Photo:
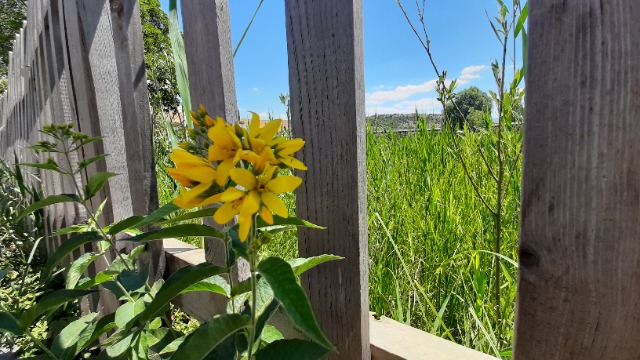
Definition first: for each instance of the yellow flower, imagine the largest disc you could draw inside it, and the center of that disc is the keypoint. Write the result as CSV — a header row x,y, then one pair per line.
x,y
226,149
195,173
258,196
283,151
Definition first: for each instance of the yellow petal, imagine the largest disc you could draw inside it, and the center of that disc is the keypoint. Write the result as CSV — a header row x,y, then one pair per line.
x,y
203,174
244,178
265,214
232,194
274,204
181,157
290,146
217,153
225,213
254,126
251,203
283,184
192,198
270,130
293,163
245,225
211,200
182,179
223,171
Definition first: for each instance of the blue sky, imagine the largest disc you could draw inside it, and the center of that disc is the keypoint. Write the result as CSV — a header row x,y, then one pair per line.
x,y
398,76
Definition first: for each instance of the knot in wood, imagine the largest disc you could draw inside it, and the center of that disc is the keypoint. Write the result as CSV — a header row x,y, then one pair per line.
x,y
116,5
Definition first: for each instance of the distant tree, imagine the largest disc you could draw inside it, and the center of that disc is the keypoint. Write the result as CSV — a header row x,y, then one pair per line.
x,y
161,78
458,110
12,14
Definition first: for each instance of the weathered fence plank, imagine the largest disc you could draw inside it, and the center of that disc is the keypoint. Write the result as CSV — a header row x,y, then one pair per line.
x,y
327,109
579,290
207,35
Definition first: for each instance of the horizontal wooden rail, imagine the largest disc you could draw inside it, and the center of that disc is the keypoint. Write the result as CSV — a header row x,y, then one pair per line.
x,y
390,340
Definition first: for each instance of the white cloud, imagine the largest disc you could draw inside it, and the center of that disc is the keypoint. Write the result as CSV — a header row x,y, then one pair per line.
x,y
399,93
401,100
423,106
470,73
255,89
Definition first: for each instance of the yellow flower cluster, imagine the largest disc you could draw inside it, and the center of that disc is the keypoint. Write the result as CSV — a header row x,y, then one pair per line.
x,y
241,170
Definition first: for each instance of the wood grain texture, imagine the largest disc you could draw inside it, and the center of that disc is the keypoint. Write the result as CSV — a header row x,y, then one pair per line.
x,y
207,39
579,290
391,340
327,110
207,35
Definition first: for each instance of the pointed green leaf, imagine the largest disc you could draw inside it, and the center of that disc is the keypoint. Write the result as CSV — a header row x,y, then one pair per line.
x,y
49,200
191,215
45,166
300,265
241,288
5,271
78,267
271,334
71,229
9,324
96,182
177,231
279,274
95,331
175,284
157,215
128,311
66,344
48,303
179,59
216,284
280,221
199,344
127,223
84,163
86,141
292,349
67,247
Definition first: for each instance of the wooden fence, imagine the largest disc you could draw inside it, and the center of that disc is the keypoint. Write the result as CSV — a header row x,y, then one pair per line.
x,y
579,287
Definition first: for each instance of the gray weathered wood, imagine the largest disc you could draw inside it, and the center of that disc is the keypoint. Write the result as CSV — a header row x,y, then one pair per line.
x,y
326,80
579,290
207,35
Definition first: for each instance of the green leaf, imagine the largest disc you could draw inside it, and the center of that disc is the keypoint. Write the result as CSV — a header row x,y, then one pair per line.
x,y
96,330
127,223
264,317
5,271
96,182
78,267
118,349
45,166
67,247
279,274
48,303
84,163
191,215
134,281
522,19
271,334
241,288
238,246
176,231
157,215
280,221
71,229
49,200
66,344
9,324
292,349
300,265
128,311
86,141
216,284
199,344
175,284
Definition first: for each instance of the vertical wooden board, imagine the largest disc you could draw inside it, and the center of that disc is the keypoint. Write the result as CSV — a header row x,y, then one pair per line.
x,y
327,109
207,39
579,289
136,118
